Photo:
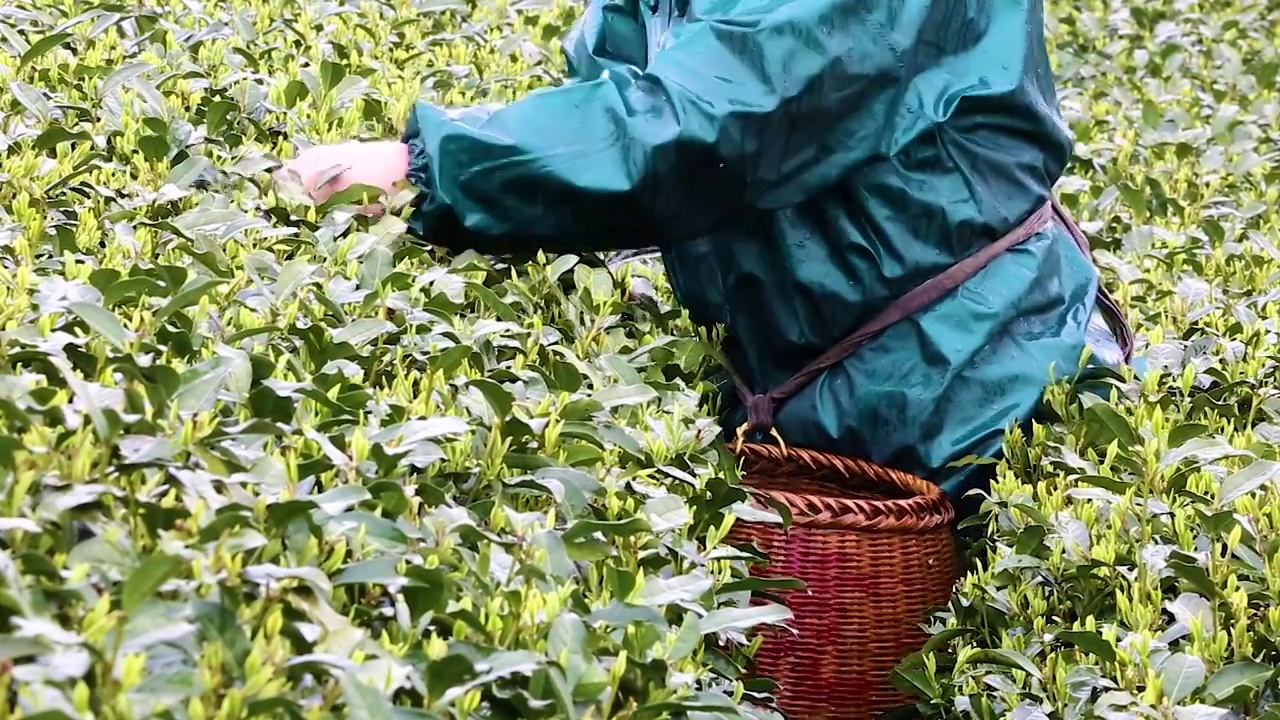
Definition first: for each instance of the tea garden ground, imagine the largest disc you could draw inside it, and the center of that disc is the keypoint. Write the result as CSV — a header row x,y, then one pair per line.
x,y
262,459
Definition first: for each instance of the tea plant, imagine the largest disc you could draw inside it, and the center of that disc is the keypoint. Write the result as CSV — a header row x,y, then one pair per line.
x,y
1131,569
260,458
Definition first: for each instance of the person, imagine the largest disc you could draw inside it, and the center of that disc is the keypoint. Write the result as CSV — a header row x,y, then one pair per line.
x,y
859,191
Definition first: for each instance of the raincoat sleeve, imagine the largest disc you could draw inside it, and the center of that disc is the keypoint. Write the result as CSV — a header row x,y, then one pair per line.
x,y
751,104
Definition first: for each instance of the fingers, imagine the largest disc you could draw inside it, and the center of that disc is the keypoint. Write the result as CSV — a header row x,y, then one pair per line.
x,y
317,185
321,171
330,179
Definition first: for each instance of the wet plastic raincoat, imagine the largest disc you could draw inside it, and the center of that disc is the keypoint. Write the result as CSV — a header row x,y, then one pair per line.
x,y
801,163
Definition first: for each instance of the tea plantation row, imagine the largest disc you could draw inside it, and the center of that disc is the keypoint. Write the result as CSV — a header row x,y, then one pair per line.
x,y
264,459
1133,567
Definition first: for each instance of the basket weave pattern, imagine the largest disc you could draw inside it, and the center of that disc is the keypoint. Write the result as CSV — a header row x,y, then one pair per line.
x,y
875,549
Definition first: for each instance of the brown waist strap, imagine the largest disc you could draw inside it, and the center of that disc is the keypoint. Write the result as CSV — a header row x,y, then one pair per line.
x,y
760,406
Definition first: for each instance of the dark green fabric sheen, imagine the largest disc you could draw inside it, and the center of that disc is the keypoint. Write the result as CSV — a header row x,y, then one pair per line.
x,y
801,163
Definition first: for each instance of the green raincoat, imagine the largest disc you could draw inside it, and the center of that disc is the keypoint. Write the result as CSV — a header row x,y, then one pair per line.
x,y
800,164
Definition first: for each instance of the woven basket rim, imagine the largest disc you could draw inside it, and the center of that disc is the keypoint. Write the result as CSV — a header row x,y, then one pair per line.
x,y
921,507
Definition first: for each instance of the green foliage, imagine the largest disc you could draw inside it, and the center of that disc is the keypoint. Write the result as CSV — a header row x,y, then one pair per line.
x,y
260,458
1131,568
265,459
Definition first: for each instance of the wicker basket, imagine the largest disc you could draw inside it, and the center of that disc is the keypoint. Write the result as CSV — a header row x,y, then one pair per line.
x,y
875,549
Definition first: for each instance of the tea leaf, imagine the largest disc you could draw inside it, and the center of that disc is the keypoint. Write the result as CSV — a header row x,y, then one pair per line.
x,y
187,171
1090,642
363,331
146,579
1253,476
1229,682
101,321
1005,658
42,46
1181,675
743,618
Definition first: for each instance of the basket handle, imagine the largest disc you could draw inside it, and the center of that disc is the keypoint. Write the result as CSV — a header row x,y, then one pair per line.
x,y
924,508
847,466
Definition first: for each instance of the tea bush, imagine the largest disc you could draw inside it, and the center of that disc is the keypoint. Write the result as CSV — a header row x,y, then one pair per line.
x,y
1132,568
265,459
262,459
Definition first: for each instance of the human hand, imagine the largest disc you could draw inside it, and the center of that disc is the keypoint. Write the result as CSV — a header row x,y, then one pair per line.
x,y
327,169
